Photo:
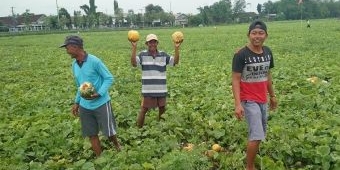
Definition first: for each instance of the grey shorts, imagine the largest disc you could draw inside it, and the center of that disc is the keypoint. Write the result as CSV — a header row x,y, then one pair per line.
x,y
101,118
256,117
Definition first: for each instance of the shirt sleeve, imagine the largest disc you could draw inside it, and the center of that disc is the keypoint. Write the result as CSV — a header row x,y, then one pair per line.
x,y
269,51
271,62
108,78
238,63
138,61
77,97
170,60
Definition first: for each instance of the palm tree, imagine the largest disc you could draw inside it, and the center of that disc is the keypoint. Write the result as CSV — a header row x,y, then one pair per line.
x,y
90,11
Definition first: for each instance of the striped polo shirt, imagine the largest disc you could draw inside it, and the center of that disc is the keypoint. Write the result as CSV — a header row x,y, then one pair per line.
x,y
154,72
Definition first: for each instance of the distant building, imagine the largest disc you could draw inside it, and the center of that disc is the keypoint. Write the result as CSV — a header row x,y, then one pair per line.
x,y
156,22
17,23
181,19
271,16
246,17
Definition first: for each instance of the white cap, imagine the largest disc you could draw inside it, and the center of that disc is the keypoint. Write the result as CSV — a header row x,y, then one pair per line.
x,y
151,37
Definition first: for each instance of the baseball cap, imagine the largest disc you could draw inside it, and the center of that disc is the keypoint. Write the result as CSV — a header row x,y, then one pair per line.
x,y
72,39
257,24
151,37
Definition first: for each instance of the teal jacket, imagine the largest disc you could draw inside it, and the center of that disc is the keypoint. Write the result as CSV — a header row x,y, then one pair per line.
x,y
93,70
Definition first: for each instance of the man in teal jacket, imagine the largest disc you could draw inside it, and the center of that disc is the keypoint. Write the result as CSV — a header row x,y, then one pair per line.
x,y
95,112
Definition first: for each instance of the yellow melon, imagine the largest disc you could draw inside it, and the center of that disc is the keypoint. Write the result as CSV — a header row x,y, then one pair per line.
x,y
189,147
216,147
133,36
210,153
177,37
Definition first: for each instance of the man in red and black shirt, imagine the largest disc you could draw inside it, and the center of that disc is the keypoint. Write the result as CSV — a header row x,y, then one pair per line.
x,y
251,83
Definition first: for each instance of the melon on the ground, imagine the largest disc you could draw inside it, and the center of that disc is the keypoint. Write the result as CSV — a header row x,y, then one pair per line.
x,y
216,147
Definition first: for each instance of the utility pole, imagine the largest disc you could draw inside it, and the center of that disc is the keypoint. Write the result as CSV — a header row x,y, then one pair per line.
x,y
114,15
142,16
13,17
300,14
12,10
56,2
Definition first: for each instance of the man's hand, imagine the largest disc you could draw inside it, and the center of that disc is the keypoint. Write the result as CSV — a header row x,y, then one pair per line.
x,y
75,109
134,44
273,103
93,96
177,44
239,112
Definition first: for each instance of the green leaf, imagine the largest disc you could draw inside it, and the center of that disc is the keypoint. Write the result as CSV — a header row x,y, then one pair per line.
x,y
80,163
219,133
148,166
88,166
323,150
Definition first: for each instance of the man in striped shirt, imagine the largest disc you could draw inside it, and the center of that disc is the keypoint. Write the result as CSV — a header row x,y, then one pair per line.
x,y
153,63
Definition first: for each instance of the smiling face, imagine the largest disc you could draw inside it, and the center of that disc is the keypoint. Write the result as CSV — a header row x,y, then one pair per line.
x,y
257,37
152,45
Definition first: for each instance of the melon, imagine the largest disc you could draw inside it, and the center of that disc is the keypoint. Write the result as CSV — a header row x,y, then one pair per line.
x,y
177,37
210,153
86,90
313,79
216,147
189,147
133,36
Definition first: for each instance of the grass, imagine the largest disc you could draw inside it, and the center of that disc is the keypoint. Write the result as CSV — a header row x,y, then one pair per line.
x,y
37,91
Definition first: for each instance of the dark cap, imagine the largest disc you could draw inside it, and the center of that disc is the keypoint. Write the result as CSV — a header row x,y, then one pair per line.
x,y
257,24
72,39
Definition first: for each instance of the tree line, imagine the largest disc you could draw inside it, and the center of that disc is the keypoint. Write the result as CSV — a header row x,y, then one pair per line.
x,y
306,9
221,12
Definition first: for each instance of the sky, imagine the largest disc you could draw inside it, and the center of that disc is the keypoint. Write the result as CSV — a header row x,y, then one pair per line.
x,y
49,7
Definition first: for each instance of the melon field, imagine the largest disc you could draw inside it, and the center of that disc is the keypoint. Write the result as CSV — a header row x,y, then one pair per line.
x,y
38,130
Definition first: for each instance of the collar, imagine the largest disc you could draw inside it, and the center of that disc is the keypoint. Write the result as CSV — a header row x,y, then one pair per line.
x,y
156,53
84,59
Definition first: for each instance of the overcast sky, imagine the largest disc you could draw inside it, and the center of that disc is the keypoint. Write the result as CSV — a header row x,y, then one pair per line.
x,y
48,7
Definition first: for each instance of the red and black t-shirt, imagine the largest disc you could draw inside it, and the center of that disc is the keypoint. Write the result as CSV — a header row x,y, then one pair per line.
x,y
254,69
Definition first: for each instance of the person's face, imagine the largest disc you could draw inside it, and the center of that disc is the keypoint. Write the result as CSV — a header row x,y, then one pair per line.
x,y
257,36
72,50
152,45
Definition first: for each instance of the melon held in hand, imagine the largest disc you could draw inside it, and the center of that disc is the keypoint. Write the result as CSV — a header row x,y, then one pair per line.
x,y
86,90
133,36
177,37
